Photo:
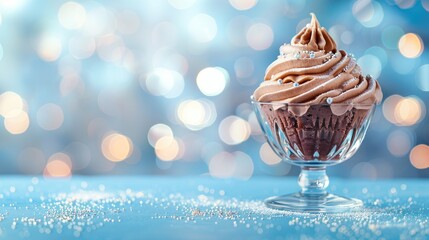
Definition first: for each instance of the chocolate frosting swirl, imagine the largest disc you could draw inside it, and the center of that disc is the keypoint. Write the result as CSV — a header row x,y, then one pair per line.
x,y
310,70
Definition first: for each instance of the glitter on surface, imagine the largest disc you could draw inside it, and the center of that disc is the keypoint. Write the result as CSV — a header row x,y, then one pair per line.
x,y
81,207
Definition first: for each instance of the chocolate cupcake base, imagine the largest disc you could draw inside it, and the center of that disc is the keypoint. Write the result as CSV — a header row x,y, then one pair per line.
x,y
318,134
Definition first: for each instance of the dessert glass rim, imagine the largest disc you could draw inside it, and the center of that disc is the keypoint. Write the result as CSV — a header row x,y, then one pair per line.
x,y
253,100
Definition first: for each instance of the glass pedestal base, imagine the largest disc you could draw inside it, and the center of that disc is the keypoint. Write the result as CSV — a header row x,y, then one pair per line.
x,y
327,203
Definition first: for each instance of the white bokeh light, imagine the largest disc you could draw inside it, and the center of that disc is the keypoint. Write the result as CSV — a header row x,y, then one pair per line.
x,y
72,15
82,47
165,82
50,117
422,77
368,13
371,65
49,47
203,28
242,5
212,80
259,36
182,4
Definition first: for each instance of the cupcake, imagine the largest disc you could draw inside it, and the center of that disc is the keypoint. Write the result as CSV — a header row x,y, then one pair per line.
x,y
317,95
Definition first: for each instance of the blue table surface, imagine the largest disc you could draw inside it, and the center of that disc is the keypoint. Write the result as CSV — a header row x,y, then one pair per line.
x,y
124,207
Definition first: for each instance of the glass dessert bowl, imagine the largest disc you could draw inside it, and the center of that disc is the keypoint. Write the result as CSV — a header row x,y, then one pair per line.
x,y
313,137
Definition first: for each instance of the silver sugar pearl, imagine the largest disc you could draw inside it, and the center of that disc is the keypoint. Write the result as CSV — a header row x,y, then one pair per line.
x,y
329,100
280,81
311,54
295,84
297,55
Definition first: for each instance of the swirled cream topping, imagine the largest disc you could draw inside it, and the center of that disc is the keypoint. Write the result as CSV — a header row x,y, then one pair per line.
x,y
310,70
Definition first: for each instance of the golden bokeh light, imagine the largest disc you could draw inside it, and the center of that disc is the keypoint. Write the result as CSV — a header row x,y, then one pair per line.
x,y
268,156
116,147
410,45
419,156
57,168
158,131
59,165
18,123
167,148
234,130
10,104
196,114
403,111
408,111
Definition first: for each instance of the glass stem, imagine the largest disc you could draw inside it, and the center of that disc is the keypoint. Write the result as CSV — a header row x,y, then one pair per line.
x,y
313,181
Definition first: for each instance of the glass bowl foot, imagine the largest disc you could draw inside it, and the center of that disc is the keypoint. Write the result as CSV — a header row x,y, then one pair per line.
x,y
328,203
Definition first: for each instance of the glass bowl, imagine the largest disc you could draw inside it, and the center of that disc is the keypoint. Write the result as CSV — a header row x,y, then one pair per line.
x,y
313,136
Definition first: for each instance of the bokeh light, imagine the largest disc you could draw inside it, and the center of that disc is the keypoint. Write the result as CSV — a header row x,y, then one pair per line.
x,y
59,165
242,5
234,130
50,117
49,47
368,13
202,28
409,111
422,78
260,36
244,68
399,142
164,86
11,104
364,170
196,114
228,165
405,4
268,156
182,4
17,123
158,131
167,148
99,20
419,156
410,45
164,82
403,111
390,36
72,15
370,65
212,80
116,147
82,47
425,4
11,5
